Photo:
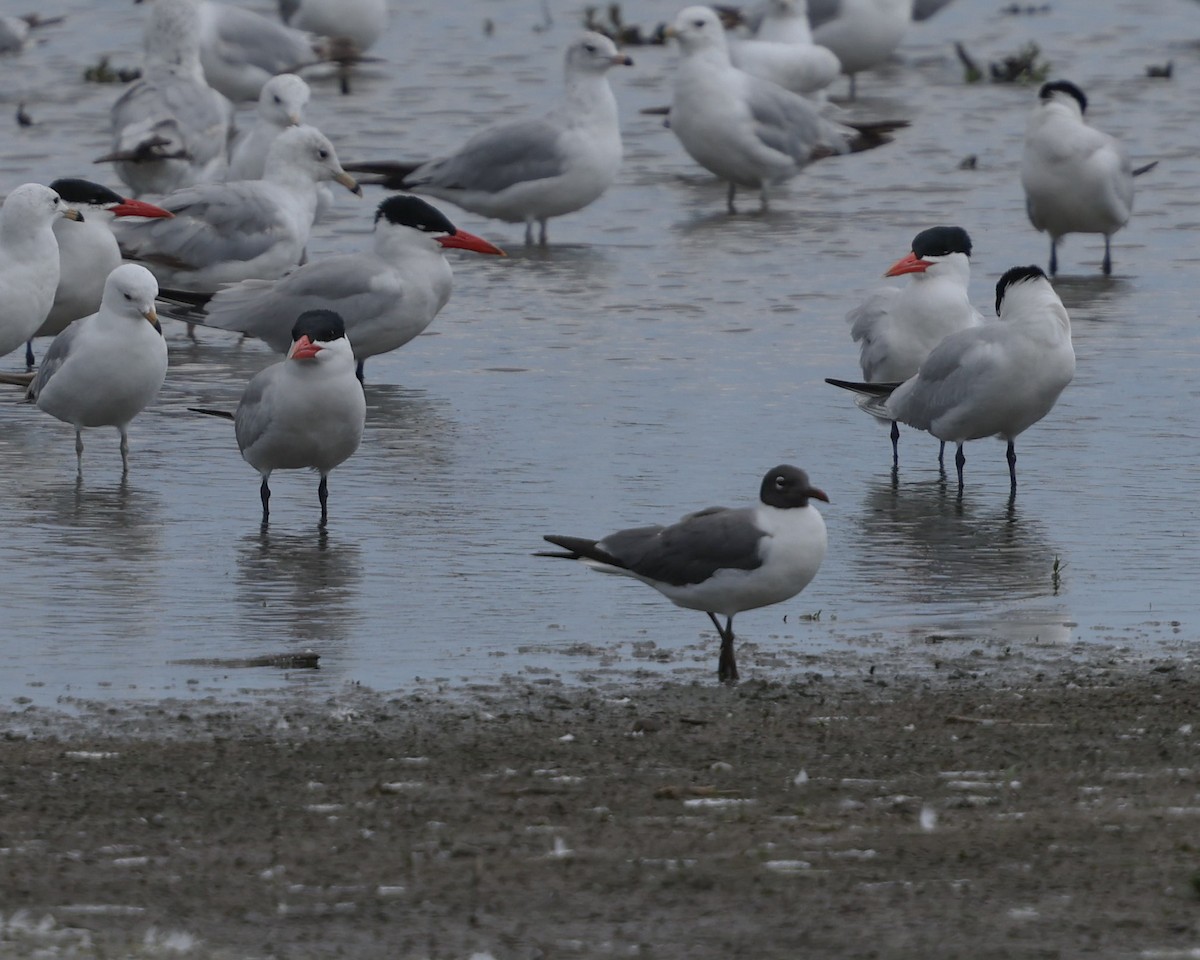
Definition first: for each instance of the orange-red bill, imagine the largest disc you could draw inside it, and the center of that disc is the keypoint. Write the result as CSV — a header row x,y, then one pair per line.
x,y
461,240
304,349
909,264
139,208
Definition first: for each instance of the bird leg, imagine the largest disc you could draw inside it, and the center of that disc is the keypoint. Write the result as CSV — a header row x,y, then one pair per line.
x,y
895,444
264,493
1053,256
29,358
1107,257
542,241
529,233
763,200
853,86
727,671
78,451
729,197
124,451
1012,464
323,493
358,370
959,460
942,453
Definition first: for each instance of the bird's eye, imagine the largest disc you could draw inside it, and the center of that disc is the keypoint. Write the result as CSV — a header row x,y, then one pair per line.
x,y
698,24
589,47
128,297
323,154
277,99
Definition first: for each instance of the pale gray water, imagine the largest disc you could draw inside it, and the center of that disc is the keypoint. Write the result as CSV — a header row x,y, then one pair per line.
x,y
660,357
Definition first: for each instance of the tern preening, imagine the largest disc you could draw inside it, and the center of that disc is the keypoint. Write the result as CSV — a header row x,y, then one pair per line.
x,y
997,379
528,171
1076,178
386,296
103,370
304,412
721,560
746,130
29,269
897,327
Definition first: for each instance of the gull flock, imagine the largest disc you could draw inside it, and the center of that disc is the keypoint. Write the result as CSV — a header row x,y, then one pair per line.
x,y
223,202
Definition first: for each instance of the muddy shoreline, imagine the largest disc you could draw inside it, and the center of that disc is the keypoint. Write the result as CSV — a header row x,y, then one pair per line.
x,y
869,813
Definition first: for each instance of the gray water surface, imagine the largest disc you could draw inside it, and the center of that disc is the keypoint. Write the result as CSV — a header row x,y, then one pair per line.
x,y
659,357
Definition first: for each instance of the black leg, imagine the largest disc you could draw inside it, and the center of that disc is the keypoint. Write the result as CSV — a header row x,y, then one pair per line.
x,y
358,370
895,444
959,460
29,359
1053,256
942,453
265,493
1012,465
1107,257
323,493
727,671
729,199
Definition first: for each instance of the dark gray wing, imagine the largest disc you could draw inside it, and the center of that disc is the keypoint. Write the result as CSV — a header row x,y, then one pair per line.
x,y
56,356
252,417
691,550
786,122
496,158
247,37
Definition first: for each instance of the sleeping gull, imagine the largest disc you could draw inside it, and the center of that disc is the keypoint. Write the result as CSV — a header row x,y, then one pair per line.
x,y
746,130
783,51
304,412
863,33
249,229
997,379
169,129
1076,178
29,269
897,327
386,297
721,560
528,171
104,369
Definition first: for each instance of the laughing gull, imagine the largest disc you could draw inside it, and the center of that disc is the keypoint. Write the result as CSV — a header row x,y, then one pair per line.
x,y
746,130
528,171
386,297
248,229
29,269
721,560
898,327
104,369
997,379
1076,179
304,412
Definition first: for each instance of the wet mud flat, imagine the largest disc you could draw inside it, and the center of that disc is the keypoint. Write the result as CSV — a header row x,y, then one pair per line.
x,y
1045,813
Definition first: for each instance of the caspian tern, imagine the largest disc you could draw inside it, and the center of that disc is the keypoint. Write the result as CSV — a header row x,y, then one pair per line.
x,y
1076,179
304,412
29,269
863,33
385,297
897,327
528,171
997,379
103,370
721,560
87,250
248,229
169,129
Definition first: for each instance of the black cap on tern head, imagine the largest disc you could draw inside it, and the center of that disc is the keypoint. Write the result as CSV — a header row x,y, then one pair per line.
x,y
1015,275
319,326
786,487
940,241
1063,86
407,211
77,190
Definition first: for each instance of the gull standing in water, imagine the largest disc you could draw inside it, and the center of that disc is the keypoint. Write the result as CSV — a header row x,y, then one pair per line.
x,y
226,232
528,171
746,130
304,412
897,327
1076,179
721,560
29,268
783,51
863,33
170,128
103,370
386,297
997,379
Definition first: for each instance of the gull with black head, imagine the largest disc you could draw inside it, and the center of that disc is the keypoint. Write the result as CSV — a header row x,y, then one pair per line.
x,y
721,560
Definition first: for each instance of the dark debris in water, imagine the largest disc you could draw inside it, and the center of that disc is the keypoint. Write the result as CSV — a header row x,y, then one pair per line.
x,y
1025,66
101,72
622,33
287,661
1161,72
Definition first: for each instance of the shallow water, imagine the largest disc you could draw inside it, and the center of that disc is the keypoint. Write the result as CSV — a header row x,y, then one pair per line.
x,y
661,356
